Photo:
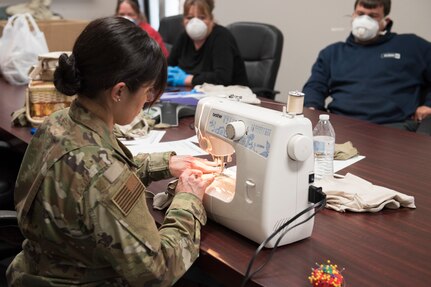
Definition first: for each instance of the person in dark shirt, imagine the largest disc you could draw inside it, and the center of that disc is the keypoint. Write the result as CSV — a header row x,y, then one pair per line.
x,y
376,75
206,52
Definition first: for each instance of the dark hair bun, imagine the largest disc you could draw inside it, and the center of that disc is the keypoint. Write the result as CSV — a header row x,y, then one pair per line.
x,y
66,76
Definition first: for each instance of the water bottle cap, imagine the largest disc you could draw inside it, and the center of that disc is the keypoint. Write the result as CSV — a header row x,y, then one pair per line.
x,y
324,117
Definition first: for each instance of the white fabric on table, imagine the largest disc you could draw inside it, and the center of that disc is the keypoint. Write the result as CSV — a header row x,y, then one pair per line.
x,y
356,194
235,92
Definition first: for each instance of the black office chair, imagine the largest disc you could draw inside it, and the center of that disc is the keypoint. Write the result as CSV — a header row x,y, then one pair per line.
x,y
11,240
10,163
10,235
261,47
170,28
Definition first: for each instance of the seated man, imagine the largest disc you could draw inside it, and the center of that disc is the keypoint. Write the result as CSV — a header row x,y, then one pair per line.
x,y
376,75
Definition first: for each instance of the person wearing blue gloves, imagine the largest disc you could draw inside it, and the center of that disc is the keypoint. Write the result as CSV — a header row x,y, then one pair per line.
x,y
177,77
206,52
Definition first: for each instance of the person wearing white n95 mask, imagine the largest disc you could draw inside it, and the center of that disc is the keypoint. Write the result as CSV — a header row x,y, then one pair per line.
x,y
375,75
206,52
364,28
196,29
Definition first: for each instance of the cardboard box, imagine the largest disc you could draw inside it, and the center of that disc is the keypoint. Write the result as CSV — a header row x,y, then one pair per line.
x,y
60,34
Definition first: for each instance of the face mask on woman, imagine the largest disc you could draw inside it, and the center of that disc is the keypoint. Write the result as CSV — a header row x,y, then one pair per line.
x,y
364,28
196,29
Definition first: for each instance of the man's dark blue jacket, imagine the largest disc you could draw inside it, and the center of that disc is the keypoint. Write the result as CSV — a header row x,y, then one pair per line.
x,y
383,82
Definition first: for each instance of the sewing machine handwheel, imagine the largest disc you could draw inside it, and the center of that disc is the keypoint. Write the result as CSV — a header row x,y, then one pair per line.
x,y
235,130
299,147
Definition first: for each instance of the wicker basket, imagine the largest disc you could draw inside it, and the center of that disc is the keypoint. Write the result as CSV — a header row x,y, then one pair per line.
x,y
42,99
45,68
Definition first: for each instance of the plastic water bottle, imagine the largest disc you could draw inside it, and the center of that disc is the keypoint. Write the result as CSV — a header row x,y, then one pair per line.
x,y
324,145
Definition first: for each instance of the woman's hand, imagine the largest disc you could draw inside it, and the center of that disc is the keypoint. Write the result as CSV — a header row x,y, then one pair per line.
x,y
178,164
195,182
176,76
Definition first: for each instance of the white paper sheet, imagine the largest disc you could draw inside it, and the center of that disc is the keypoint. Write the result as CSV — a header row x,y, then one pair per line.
x,y
340,164
153,137
193,139
181,147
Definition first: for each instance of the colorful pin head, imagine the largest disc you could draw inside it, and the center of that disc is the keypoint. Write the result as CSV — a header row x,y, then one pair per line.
x,y
326,275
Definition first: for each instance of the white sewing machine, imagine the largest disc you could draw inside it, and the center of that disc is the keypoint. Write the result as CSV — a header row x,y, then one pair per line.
x,y
274,158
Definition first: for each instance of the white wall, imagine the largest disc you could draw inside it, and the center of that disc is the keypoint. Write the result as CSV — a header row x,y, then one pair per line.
x,y
307,25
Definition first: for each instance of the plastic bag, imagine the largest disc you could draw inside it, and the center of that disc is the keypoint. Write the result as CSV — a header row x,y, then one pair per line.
x,y
20,46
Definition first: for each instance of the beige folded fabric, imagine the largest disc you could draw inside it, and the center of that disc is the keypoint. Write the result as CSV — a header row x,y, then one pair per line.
x,y
345,151
356,194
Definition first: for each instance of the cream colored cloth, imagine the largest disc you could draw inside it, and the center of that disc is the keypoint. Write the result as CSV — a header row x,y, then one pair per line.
x,y
162,200
235,93
356,194
345,151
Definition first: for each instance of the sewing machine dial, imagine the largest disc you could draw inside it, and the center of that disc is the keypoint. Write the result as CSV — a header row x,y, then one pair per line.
x,y
235,130
299,147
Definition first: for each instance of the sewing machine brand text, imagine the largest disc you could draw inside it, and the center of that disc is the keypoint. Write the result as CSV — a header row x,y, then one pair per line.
x,y
256,139
217,115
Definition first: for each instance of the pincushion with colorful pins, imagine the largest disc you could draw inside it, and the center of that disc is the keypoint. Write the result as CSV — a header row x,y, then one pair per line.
x,y
326,275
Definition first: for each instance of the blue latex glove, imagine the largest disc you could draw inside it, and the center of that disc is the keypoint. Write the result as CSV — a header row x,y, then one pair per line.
x,y
176,76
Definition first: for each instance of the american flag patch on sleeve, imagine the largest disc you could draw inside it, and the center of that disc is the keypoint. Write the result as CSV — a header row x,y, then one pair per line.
x,y
128,195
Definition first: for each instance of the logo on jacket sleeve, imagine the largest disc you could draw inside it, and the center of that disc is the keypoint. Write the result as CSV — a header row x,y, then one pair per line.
x,y
128,195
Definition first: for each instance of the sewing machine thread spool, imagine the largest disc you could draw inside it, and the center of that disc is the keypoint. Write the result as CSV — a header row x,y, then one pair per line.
x,y
295,103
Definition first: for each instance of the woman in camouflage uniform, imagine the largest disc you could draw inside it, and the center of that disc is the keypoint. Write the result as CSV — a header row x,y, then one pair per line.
x,y
80,194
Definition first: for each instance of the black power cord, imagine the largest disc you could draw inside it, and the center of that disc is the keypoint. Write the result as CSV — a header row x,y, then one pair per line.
x,y
315,196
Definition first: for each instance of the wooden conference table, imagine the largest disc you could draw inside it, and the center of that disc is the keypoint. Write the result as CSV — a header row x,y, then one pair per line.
x,y
388,248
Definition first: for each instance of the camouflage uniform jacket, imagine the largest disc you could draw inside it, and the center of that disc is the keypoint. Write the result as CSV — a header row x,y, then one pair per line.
x,y
89,223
